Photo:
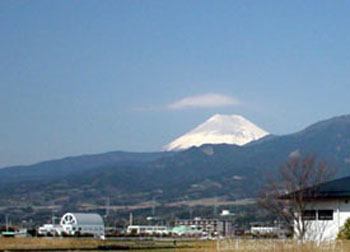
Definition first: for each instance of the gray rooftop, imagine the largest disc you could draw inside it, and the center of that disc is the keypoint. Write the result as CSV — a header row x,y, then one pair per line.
x,y
88,218
334,189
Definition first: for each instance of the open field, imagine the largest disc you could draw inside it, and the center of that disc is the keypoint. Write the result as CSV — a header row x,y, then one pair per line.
x,y
57,244
52,244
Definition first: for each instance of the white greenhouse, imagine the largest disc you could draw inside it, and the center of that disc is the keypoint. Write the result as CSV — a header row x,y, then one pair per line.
x,y
84,223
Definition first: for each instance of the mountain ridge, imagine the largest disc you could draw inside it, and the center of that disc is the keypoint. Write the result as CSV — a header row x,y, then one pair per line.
x,y
196,173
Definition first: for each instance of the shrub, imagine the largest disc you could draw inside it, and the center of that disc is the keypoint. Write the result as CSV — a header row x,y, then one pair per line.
x,y
344,232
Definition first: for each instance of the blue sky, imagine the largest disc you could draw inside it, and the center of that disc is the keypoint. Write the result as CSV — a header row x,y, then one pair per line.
x,y
86,76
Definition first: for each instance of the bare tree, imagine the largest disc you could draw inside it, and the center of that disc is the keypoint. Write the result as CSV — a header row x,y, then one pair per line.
x,y
288,195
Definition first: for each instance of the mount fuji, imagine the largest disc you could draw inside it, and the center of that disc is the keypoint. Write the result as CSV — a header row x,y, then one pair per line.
x,y
199,173
219,129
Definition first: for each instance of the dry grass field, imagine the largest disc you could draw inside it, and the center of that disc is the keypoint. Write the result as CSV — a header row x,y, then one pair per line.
x,y
227,245
281,245
41,244
46,243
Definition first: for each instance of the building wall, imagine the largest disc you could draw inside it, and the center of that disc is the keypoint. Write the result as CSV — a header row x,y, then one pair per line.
x,y
84,223
138,229
209,226
96,230
50,228
327,229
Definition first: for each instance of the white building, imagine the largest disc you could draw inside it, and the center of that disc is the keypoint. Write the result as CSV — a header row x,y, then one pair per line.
x,y
50,229
139,229
328,207
211,227
84,223
262,230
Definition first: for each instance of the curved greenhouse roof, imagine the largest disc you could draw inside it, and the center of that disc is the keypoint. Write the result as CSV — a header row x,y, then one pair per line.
x,y
82,219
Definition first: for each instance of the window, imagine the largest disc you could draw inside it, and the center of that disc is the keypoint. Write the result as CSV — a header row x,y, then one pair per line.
x,y
309,215
325,214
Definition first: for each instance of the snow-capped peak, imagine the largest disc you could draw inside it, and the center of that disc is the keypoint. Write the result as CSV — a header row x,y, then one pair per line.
x,y
229,129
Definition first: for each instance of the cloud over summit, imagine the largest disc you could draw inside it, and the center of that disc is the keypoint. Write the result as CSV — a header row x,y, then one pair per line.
x,y
204,101
210,100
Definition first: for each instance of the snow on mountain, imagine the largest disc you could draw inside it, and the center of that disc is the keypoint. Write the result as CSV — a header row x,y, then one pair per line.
x,y
218,129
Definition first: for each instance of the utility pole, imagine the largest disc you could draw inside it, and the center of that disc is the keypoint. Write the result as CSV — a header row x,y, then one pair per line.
x,y
190,210
154,206
215,207
108,203
7,222
53,217
131,219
